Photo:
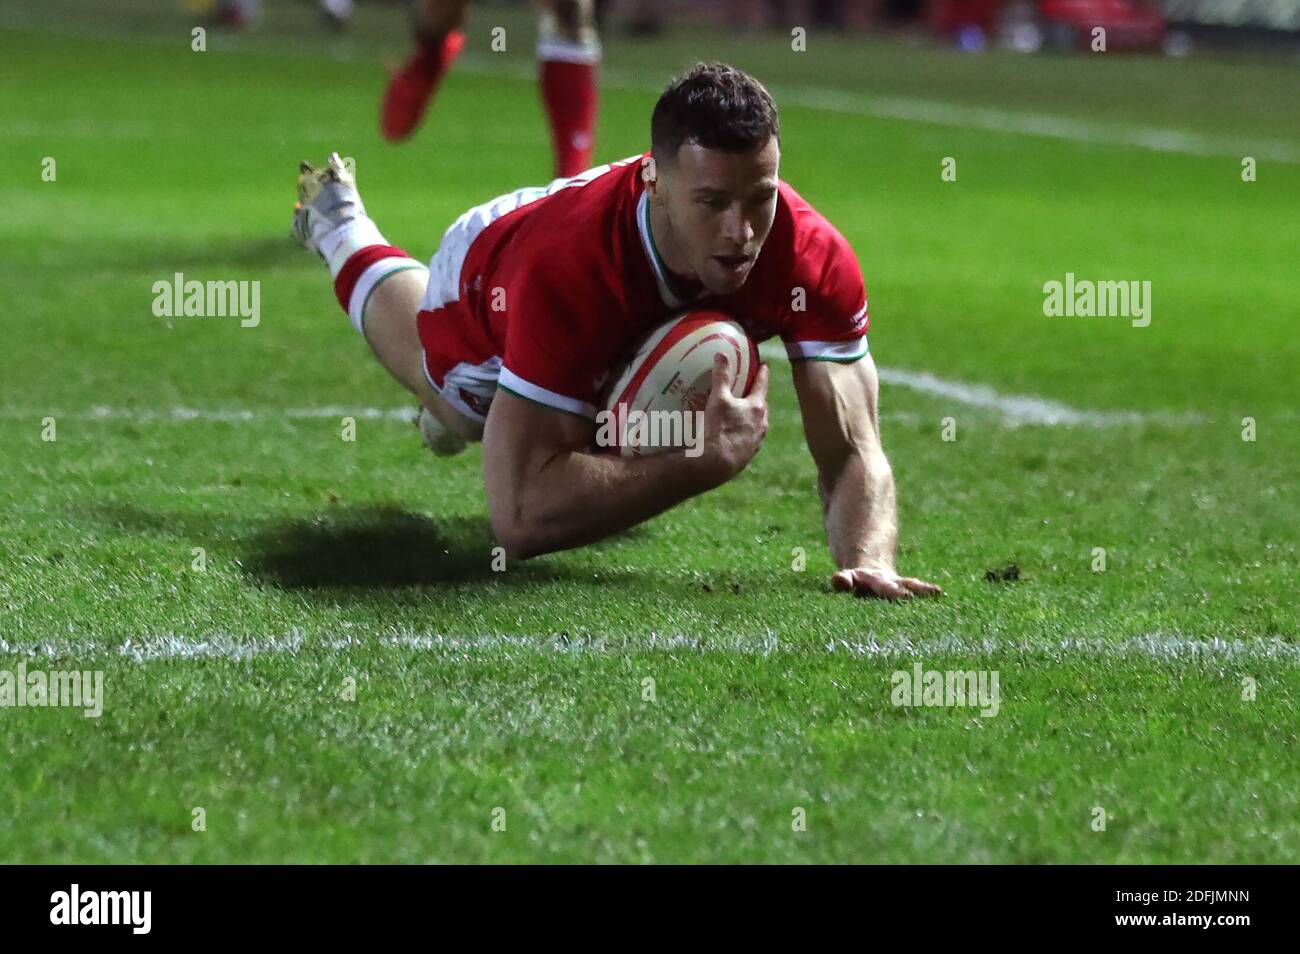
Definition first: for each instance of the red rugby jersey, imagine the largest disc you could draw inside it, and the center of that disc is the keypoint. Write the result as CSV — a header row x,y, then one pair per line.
x,y
562,283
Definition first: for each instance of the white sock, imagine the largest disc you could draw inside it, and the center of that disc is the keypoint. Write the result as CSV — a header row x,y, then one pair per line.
x,y
349,238
552,46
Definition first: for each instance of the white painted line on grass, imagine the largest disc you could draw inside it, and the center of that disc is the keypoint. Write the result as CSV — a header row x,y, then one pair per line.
x,y
1016,409
1153,646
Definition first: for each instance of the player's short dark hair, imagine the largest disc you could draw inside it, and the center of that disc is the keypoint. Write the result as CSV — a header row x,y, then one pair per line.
x,y
716,106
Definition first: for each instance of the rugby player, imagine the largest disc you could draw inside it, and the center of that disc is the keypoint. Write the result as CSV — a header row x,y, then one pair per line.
x,y
533,298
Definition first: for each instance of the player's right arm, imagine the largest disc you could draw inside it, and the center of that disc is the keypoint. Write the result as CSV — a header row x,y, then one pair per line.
x,y
548,489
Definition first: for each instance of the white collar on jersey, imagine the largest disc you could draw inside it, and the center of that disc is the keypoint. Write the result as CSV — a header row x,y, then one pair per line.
x,y
652,253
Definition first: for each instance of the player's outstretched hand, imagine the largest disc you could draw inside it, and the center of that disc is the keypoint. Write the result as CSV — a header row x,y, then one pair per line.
x,y
882,583
734,427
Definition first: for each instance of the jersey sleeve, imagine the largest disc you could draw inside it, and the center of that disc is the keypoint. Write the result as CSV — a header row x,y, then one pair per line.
x,y
832,326
555,353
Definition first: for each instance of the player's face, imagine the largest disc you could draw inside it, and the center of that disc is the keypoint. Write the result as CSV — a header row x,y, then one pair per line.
x,y
721,205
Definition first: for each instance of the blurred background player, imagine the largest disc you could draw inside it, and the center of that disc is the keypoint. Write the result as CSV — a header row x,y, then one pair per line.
x,y
568,54
242,13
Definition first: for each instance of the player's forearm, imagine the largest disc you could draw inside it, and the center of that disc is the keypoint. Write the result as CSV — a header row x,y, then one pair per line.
x,y
578,498
859,510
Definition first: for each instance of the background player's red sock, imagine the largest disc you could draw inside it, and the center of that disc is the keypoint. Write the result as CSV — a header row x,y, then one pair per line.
x,y
569,93
410,88
567,70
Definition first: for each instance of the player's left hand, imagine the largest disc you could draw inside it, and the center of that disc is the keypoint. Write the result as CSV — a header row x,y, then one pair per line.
x,y
882,583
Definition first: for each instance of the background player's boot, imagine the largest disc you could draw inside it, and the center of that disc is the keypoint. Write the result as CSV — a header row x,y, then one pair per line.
x,y
411,87
337,13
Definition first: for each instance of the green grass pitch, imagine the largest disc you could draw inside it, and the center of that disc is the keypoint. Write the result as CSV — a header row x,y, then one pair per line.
x,y
679,693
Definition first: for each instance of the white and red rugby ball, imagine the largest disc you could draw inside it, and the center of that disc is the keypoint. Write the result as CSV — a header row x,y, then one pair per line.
x,y
672,370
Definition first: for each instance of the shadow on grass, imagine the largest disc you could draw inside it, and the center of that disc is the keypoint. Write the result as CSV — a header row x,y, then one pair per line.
x,y
372,550
365,551
375,549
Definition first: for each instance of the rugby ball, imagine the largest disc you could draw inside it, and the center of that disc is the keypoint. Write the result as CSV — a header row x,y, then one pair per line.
x,y
656,403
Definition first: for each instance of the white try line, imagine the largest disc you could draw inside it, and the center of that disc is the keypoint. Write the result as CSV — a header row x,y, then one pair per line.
x,y
186,415
1151,646
823,99
1014,410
